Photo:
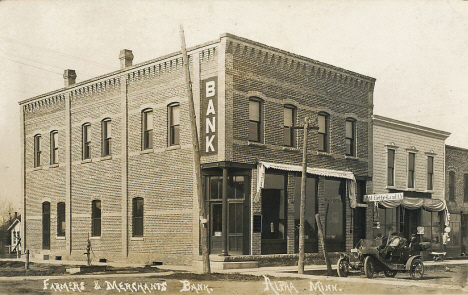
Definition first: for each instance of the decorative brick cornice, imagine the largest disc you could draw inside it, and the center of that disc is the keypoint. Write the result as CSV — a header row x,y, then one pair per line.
x,y
303,65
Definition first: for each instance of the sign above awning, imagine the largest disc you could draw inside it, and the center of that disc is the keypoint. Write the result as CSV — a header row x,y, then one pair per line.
x,y
383,197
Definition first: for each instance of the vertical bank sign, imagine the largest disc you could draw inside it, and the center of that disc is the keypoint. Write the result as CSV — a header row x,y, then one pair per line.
x,y
209,116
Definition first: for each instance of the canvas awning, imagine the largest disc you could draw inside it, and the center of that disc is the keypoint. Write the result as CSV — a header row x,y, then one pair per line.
x,y
350,184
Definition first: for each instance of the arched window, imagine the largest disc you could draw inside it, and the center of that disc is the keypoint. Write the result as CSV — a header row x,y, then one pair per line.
x,y
255,119
46,226
137,217
323,132
37,150
451,186
106,128
54,147
173,114
86,135
61,225
289,121
147,129
96,218
350,137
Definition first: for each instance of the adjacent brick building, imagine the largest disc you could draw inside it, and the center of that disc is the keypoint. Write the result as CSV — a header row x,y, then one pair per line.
x,y
110,158
456,187
410,159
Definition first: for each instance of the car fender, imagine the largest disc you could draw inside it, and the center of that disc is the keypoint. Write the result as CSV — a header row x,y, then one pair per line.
x,y
410,260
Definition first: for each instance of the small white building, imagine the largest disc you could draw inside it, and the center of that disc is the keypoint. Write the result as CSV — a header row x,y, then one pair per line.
x,y
15,233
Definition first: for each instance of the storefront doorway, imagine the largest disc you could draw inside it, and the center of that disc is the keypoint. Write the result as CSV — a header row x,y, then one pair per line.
x,y
274,214
238,222
334,228
311,208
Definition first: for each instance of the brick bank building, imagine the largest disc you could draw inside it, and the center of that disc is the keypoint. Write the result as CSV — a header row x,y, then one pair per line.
x,y
111,158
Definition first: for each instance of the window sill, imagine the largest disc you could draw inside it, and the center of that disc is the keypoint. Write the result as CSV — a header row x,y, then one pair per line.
x,y
106,158
291,149
37,168
408,189
59,238
86,161
431,191
351,157
147,151
137,238
54,165
323,154
173,147
391,187
95,238
256,144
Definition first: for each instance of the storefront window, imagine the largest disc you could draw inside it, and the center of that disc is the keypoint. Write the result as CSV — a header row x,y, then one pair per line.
x,y
236,187
431,223
310,226
334,214
387,219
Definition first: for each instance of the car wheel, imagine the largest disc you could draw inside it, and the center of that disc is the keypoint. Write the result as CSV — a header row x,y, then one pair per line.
x,y
342,267
369,267
390,273
417,269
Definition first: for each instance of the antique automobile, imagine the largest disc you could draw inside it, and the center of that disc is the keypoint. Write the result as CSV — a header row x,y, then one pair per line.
x,y
374,256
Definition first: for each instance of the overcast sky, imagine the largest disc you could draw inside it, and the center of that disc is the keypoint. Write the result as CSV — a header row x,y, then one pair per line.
x,y
417,50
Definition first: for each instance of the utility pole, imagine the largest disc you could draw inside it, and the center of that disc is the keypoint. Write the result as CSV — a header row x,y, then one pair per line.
x,y
300,263
196,158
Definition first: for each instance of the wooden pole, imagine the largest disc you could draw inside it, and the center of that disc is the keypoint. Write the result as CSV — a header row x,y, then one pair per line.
x,y
300,263
325,253
196,158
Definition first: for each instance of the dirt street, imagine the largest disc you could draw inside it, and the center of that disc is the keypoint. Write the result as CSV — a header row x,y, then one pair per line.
x,y
434,282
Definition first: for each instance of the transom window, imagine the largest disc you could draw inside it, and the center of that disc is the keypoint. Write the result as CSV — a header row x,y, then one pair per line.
x,y
86,141
288,123
174,124
147,129
411,169
37,150
350,137
106,137
53,147
323,132
255,120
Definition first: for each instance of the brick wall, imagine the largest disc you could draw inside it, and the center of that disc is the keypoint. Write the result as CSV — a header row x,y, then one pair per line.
x,y
456,160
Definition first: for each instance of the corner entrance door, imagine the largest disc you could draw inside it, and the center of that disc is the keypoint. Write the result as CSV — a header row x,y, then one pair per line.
x,y
46,226
216,228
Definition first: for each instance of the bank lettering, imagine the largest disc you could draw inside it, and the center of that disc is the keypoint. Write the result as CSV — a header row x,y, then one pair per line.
x,y
209,115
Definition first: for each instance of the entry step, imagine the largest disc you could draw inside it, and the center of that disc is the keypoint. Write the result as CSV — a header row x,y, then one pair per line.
x,y
222,265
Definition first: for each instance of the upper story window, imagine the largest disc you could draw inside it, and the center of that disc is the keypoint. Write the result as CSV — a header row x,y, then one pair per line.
x,y
411,169
137,217
54,147
147,129
106,137
430,173
323,122
86,141
350,137
451,186
96,218
390,167
255,119
61,225
288,123
174,124
465,188
37,150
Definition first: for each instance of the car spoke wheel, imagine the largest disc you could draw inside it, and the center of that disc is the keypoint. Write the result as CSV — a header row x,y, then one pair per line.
x,y
417,269
390,273
369,267
342,267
